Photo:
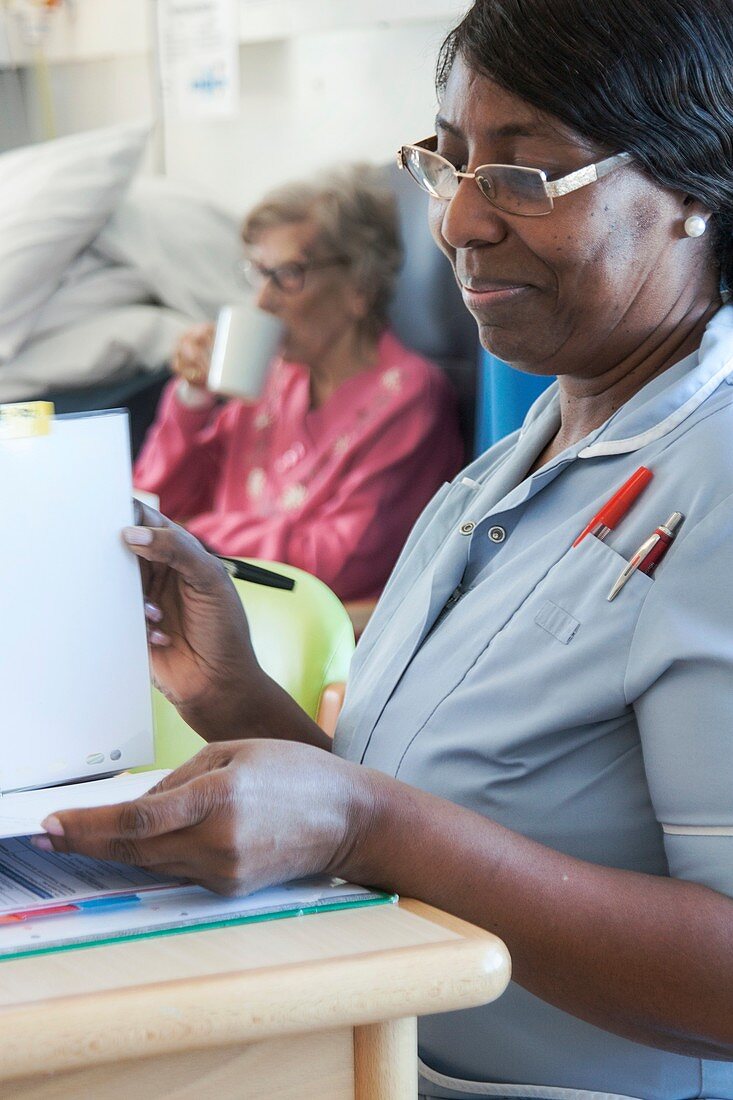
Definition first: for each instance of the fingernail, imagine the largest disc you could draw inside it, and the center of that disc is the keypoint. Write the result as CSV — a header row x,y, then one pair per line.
x,y
153,612
42,842
52,826
157,637
138,536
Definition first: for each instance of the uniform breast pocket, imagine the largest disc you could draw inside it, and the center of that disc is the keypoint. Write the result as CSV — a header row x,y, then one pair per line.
x,y
566,646
573,595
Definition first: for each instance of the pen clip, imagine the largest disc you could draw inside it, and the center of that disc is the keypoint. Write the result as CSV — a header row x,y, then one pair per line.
x,y
632,565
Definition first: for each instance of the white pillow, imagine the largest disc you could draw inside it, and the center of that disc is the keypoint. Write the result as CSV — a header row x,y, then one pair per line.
x,y
111,345
89,286
181,244
54,198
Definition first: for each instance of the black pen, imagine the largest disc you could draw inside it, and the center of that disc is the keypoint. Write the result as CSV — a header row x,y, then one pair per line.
x,y
243,571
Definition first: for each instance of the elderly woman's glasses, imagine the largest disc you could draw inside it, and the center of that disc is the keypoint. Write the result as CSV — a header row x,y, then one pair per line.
x,y
515,190
289,278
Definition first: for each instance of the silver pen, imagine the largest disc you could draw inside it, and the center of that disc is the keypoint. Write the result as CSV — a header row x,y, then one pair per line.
x,y
649,554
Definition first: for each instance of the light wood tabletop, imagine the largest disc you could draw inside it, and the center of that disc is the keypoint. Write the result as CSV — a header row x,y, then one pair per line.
x,y
314,1006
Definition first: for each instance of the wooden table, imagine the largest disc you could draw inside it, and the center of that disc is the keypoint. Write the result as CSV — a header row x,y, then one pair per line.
x,y
319,1006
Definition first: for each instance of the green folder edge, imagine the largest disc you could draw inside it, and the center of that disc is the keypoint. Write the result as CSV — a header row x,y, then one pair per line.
x,y
253,918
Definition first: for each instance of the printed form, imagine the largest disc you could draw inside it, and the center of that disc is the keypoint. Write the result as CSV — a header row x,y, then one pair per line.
x,y
31,879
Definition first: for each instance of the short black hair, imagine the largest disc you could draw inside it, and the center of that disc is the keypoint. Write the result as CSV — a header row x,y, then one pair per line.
x,y
653,78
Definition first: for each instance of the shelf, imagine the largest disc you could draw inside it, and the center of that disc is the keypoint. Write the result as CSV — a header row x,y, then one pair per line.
x,y
92,30
89,30
273,19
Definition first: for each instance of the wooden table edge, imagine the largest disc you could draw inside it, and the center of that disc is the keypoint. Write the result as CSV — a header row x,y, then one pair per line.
x,y
223,1009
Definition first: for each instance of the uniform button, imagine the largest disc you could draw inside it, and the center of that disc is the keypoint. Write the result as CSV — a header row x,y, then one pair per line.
x,y
497,534
467,528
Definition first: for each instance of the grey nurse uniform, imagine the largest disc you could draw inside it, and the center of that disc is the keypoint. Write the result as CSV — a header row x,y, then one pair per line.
x,y
603,730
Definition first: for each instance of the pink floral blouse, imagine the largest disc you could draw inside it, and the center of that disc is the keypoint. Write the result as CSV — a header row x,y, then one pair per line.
x,y
334,490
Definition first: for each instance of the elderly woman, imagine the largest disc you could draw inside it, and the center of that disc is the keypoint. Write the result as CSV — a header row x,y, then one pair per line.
x,y
544,761
353,433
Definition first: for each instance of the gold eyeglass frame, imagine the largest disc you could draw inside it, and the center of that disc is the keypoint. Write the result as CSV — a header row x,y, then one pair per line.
x,y
581,177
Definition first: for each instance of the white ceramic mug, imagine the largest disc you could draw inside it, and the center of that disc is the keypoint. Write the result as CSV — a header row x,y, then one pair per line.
x,y
245,341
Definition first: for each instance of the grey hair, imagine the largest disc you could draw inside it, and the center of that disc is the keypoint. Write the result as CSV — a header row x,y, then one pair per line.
x,y
356,216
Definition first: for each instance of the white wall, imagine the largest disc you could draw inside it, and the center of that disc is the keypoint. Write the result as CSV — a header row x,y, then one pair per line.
x,y
89,94
311,101
306,102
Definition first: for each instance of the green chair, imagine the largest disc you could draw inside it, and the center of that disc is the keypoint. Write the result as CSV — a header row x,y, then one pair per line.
x,y
303,639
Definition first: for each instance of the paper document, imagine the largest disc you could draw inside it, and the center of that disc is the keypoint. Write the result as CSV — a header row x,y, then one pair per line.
x,y
198,57
177,909
21,814
32,880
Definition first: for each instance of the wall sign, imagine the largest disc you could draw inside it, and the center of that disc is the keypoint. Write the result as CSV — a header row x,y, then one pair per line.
x,y
198,57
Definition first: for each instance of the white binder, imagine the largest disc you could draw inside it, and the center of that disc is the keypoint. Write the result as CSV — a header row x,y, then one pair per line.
x,y
75,698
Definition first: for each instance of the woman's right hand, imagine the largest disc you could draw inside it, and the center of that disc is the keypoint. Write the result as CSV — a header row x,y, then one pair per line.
x,y
201,653
192,354
236,817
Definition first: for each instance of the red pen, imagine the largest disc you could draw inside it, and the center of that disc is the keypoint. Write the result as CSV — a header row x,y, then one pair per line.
x,y
650,553
616,507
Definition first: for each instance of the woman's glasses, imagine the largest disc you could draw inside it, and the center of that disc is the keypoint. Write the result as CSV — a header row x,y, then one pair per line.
x,y
515,190
289,278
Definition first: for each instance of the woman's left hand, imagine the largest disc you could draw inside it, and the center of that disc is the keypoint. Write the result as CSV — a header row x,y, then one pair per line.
x,y
237,817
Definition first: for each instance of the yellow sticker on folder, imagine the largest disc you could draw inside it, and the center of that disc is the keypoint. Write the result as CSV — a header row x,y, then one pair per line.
x,y
25,418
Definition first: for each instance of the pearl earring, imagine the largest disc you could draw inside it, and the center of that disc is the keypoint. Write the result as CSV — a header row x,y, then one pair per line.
x,y
695,226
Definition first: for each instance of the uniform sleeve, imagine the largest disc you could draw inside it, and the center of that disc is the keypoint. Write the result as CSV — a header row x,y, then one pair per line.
x,y
182,456
352,538
680,679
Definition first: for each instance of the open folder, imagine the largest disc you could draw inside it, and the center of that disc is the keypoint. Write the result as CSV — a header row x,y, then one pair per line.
x,y
50,902
75,695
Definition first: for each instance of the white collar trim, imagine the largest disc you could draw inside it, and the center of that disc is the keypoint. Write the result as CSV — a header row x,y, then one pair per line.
x,y
635,442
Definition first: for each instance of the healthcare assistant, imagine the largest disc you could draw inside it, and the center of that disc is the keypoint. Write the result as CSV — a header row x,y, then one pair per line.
x,y
599,729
